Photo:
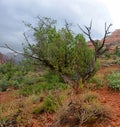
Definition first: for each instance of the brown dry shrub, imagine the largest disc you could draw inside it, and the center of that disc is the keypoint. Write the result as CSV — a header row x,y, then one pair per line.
x,y
84,112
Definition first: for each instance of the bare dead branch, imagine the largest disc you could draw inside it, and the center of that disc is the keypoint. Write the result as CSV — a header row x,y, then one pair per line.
x,y
88,33
28,43
105,35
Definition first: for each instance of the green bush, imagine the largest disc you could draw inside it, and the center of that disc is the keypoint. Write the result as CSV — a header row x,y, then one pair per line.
x,y
50,105
12,75
31,80
3,85
107,55
51,77
47,82
38,88
114,80
95,83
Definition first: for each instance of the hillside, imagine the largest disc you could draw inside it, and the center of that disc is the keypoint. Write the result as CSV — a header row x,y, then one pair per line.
x,y
114,39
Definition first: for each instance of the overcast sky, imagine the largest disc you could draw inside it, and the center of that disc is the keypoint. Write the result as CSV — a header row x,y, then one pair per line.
x,y
13,12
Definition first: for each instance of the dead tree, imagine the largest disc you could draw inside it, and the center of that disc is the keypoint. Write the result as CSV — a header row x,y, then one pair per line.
x,y
98,46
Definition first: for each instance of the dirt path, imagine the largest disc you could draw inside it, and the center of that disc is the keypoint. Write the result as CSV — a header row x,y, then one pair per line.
x,y
113,100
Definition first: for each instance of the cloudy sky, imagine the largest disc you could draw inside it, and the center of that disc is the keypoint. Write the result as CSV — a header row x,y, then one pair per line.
x,y
13,12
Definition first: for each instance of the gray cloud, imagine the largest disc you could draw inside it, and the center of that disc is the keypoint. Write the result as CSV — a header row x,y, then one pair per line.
x,y
13,12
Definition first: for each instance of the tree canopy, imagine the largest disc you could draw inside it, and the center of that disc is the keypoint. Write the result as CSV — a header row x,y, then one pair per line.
x,y
60,49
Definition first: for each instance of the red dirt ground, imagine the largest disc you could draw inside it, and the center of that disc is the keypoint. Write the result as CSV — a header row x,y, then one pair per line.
x,y
5,97
111,99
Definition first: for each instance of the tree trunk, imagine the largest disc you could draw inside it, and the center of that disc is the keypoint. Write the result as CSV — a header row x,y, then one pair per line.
x,y
74,85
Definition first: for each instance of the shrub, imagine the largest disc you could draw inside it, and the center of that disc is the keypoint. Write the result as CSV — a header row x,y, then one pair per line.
x,y
95,83
31,80
3,85
51,77
36,85
14,83
86,111
89,97
107,55
50,105
114,80
38,88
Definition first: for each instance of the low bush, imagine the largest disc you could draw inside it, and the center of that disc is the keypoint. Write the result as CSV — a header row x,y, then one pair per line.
x,y
52,77
114,80
50,104
38,88
89,97
12,75
95,83
3,85
86,111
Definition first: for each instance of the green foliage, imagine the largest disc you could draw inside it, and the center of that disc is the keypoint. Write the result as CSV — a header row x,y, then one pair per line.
x,y
52,77
12,75
50,104
117,51
95,83
108,55
47,82
3,85
114,80
31,80
36,89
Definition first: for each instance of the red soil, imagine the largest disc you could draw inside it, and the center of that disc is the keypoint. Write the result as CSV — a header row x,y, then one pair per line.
x,y
111,99
5,97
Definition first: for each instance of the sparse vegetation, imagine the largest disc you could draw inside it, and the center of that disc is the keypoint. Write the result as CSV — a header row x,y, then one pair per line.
x,y
95,83
114,80
86,111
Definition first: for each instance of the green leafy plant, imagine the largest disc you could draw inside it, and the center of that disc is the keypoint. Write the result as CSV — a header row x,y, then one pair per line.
x,y
12,75
3,85
50,104
114,80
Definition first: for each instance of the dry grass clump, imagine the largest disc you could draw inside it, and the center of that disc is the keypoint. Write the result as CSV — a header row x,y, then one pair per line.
x,y
84,112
